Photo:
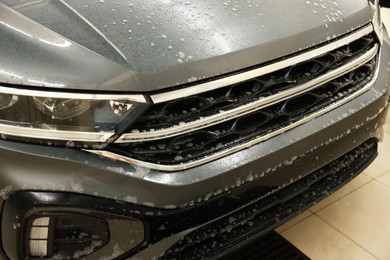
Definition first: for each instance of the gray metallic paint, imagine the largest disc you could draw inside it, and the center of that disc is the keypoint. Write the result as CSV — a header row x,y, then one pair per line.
x,y
90,63
51,45
77,67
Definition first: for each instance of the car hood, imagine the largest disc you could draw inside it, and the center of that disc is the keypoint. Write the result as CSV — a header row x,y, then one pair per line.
x,y
144,46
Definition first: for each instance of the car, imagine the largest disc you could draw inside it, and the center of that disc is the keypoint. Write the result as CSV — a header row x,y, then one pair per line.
x,y
180,129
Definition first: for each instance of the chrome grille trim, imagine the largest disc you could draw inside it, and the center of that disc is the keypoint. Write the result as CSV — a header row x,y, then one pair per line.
x,y
191,164
221,116
251,107
223,82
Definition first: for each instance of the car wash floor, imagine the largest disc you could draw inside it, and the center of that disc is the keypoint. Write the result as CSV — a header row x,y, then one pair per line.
x,y
353,223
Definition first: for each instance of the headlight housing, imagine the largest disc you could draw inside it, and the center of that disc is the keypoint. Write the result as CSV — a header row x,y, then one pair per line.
x,y
68,118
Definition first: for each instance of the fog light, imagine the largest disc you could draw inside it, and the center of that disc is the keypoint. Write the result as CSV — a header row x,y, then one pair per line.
x,y
39,235
61,235
43,225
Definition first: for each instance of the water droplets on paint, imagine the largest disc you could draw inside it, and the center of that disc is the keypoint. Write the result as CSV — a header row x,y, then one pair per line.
x,y
192,79
181,55
4,192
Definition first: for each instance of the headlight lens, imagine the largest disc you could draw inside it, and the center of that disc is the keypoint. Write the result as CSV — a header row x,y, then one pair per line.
x,y
82,118
59,108
7,100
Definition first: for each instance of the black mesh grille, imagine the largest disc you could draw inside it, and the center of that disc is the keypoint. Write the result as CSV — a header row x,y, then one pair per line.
x,y
191,108
210,140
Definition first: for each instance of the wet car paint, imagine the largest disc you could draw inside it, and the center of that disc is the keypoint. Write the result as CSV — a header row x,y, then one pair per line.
x,y
149,46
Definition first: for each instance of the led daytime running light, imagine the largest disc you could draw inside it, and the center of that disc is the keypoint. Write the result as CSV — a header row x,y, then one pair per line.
x,y
50,115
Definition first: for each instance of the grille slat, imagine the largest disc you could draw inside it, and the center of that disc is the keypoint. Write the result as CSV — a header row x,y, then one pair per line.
x,y
189,109
221,136
198,143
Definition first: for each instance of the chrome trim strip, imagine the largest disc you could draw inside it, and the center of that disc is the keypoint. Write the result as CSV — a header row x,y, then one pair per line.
x,y
167,96
377,21
51,134
184,166
249,108
68,95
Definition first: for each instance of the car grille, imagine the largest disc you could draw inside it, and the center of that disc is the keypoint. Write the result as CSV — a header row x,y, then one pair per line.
x,y
189,129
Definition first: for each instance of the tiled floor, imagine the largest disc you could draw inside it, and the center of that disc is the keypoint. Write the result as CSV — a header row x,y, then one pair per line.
x,y
354,223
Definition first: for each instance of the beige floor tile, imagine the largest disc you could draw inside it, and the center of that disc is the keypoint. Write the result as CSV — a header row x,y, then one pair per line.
x,y
385,179
386,17
364,217
382,162
387,124
388,118
386,21
318,240
294,221
387,128
353,185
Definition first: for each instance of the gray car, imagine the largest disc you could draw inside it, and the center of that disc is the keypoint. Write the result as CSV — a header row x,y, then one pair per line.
x,y
180,129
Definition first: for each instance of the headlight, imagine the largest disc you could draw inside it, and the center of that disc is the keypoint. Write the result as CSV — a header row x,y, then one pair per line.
x,y
79,119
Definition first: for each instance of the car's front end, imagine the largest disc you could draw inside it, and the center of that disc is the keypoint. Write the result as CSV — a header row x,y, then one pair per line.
x,y
180,130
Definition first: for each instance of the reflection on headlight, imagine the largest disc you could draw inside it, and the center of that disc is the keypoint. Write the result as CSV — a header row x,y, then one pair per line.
x,y
58,108
7,100
48,115
120,107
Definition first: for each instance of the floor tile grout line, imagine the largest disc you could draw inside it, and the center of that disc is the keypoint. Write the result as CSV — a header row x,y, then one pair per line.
x,y
311,213
380,175
385,185
371,179
314,213
341,233
345,235
387,171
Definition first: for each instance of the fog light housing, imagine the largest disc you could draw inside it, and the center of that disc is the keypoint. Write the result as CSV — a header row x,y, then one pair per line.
x,y
55,225
60,235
